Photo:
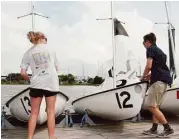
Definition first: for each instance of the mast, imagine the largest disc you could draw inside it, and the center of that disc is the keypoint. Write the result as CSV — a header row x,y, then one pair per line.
x,y
171,41
33,13
117,29
83,71
114,47
33,19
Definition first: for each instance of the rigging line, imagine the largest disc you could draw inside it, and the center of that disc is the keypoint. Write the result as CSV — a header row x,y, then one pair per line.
x,y
170,11
166,8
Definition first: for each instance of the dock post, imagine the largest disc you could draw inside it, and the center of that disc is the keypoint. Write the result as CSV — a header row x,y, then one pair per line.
x,y
3,113
5,123
68,119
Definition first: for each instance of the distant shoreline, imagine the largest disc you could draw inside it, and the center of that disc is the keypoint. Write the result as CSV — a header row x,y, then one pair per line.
x,y
64,80
60,84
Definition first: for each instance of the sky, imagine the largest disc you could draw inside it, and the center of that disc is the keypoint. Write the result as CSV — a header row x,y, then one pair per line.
x,y
80,41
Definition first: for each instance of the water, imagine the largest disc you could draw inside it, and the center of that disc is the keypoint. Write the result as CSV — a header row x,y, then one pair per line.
x,y
73,92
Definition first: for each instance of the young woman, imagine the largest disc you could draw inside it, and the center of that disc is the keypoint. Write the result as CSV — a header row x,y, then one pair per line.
x,y
44,81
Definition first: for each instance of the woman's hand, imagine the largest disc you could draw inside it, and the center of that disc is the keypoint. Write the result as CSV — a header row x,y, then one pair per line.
x,y
24,74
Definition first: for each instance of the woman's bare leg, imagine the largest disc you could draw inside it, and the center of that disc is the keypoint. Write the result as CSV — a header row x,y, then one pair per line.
x,y
50,102
35,106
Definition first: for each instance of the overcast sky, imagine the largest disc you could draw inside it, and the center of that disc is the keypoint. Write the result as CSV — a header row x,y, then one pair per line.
x,y
77,37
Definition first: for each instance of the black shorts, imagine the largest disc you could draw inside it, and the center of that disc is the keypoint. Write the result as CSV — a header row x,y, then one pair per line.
x,y
40,93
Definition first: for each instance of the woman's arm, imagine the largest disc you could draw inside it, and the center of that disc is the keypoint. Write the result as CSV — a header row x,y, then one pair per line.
x,y
24,74
56,63
24,66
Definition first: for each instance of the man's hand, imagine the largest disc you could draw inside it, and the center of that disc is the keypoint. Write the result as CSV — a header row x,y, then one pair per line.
x,y
146,78
142,78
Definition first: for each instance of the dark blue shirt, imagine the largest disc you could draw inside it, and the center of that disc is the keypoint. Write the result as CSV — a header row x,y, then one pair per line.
x,y
159,70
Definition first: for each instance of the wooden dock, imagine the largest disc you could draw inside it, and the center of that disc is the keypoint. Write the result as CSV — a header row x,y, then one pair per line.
x,y
123,130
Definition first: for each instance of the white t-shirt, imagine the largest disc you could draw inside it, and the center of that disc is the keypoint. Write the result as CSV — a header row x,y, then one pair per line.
x,y
44,65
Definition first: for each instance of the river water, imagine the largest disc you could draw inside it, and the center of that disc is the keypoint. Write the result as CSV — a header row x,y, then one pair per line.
x,y
73,92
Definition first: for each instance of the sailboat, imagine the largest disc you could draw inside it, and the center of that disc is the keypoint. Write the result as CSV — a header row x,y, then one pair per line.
x,y
117,98
20,106
170,103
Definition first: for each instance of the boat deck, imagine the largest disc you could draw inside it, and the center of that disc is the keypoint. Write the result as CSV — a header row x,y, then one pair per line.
x,y
122,130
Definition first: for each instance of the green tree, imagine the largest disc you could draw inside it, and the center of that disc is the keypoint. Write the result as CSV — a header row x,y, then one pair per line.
x,y
90,80
98,80
63,78
71,78
22,82
84,80
14,77
3,81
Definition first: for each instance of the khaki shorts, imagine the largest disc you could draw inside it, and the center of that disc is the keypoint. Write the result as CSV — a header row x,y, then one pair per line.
x,y
156,93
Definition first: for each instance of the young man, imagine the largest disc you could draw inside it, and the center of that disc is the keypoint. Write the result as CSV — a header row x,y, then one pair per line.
x,y
159,79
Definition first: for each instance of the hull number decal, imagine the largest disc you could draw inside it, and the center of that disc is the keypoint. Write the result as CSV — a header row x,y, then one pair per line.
x,y
124,103
26,101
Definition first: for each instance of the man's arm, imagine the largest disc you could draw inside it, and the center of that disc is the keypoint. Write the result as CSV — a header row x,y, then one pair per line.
x,y
147,68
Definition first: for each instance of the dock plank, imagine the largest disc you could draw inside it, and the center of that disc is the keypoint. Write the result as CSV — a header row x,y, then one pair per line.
x,y
123,130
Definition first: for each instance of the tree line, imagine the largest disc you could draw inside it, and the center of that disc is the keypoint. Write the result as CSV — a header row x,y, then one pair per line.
x,y
16,78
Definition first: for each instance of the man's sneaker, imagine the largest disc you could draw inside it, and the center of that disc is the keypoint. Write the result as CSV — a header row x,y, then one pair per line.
x,y
150,132
166,133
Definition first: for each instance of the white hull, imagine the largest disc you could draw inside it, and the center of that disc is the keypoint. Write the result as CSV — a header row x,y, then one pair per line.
x,y
170,103
19,106
121,80
115,104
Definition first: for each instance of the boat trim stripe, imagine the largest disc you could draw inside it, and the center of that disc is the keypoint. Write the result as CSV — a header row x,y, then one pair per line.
x,y
9,101
173,89
106,91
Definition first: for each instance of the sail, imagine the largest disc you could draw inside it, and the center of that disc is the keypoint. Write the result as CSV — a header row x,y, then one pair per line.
x,y
110,72
119,29
127,42
171,55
